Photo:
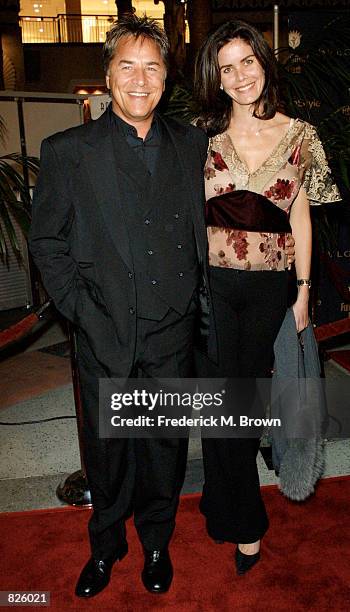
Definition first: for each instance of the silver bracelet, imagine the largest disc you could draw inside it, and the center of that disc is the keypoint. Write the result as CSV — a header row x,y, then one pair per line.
x,y
304,281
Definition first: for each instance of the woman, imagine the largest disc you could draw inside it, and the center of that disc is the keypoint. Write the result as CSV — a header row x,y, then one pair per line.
x,y
262,171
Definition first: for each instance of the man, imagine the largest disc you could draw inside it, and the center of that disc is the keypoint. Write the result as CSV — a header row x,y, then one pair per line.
x,y
119,237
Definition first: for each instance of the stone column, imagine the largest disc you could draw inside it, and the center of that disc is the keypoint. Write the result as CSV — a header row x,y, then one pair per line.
x,y
199,15
73,27
174,24
12,65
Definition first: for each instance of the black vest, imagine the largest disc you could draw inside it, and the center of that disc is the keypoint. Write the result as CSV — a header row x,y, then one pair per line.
x,y
160,227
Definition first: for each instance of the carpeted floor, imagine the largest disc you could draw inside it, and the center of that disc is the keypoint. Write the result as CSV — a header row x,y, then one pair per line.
x,y
305,566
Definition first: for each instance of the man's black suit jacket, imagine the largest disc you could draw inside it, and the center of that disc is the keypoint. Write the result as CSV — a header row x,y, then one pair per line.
x,y
81,245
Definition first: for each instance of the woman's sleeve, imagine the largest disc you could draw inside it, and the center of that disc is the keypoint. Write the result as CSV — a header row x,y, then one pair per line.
x,y
317,178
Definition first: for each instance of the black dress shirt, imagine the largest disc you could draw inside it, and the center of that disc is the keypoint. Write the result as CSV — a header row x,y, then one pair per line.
x,y
147,150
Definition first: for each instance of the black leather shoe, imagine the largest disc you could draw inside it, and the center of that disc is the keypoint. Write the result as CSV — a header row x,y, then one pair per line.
x,y
157,572
96,574
245,562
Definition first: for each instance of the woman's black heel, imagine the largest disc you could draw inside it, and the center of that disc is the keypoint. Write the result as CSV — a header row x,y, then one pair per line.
x,y
245,562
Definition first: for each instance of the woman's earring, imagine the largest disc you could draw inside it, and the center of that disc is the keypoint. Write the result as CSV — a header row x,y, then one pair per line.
x,y
221,86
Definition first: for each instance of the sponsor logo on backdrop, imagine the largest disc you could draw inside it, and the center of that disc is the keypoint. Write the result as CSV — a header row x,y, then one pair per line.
x,y
338,52
294,39
309,104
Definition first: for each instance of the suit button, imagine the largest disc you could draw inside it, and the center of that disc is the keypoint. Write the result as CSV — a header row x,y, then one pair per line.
x,y
132,310
130,275
179,246
181,274
154,282
176,215
147,222
150,252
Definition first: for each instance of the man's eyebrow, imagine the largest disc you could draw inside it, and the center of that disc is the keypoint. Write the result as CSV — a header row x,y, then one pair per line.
x,y
130,62
242,60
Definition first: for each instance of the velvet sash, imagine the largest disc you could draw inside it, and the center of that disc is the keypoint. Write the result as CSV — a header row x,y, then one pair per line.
x,y
248,211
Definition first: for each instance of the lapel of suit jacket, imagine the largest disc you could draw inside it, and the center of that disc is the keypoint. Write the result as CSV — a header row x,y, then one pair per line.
x,y
101,167
186,156
163,171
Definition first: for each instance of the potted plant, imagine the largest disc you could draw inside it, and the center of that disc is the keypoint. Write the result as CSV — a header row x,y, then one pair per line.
x,y
15,199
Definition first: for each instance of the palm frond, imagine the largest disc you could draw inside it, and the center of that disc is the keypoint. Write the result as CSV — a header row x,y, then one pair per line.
x,y
15,201
3,131
7,230
181,104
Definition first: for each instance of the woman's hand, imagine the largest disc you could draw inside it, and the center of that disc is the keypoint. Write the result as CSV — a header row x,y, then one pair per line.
x,y
301,311
290,250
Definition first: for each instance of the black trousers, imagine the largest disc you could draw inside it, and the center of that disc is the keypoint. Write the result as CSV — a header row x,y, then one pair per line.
x,y
143,476
249,308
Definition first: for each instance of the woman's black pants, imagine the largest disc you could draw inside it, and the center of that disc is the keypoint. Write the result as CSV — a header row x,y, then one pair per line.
x,y
249,308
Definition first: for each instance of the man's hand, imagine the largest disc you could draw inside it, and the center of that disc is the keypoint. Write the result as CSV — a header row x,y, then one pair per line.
x,y
290,250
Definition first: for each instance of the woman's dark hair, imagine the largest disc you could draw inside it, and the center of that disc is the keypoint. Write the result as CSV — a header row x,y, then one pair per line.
x,y
139,27
215,105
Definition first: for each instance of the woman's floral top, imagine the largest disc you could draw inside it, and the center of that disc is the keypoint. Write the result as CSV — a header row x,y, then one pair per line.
x,y
298,160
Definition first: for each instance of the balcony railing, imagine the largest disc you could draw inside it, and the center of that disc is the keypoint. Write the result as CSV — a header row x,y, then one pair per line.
x,y
66,28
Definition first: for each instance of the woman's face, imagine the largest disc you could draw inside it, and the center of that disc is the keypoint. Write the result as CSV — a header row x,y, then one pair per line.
x,y
242,76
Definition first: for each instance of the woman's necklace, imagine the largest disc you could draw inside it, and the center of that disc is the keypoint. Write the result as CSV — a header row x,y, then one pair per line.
x,y
252,132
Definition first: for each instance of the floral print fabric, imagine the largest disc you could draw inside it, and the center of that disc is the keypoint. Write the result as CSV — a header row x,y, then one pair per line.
x,y
298,160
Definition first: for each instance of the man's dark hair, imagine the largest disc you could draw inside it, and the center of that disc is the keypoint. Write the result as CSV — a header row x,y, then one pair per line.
x,y
139,27
215,104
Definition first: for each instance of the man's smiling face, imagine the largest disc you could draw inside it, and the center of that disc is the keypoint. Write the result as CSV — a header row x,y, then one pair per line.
x,y
136,77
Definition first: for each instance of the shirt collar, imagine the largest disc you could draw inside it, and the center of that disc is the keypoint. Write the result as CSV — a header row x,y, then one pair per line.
x,y
129,130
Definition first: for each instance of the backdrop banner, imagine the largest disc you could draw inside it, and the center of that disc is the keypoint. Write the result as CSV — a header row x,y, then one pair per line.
x,y
307,30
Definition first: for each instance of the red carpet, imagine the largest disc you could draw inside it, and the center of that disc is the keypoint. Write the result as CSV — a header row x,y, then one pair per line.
x,y
341,357
306,559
